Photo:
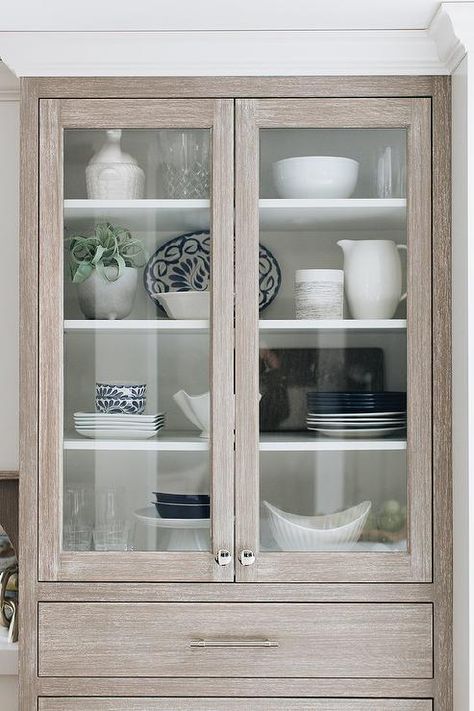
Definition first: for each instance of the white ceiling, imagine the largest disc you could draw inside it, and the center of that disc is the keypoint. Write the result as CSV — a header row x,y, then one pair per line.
x,y
216,14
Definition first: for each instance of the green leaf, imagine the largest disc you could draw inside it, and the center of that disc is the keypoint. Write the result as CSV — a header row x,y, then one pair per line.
x,y
83,272
108,246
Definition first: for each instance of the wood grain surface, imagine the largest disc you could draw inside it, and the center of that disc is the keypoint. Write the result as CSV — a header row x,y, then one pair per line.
x,y
442,398
29,397
223,704
236,686
314,640
238,87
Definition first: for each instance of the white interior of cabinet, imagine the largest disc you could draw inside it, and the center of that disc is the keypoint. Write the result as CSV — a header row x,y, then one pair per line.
x,y
299,481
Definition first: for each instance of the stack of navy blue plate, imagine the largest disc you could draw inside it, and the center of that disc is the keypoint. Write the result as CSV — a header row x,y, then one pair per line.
x,y
356,414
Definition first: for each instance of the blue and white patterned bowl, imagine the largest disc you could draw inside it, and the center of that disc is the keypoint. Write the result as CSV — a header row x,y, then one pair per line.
x,y
121,406
120,390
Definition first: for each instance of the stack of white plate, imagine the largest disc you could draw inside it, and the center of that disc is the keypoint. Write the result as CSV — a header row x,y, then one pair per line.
x,y
98,425
356,414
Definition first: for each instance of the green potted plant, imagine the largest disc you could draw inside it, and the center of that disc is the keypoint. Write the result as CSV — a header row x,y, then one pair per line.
x,y
104,266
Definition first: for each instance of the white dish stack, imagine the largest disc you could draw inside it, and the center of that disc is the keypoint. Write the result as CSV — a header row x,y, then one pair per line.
x,y
98,425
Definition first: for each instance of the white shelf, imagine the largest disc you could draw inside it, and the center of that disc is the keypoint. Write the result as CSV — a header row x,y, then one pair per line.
x,y
306,442
351,213
166,441
169,441
133,326
140,214
333,325
201,326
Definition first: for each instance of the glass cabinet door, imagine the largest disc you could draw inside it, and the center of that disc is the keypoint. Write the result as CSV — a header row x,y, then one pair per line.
x,y
333,340
136,340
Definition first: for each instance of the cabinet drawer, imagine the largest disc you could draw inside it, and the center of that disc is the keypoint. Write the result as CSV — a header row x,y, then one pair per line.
x,y
235,640
215,704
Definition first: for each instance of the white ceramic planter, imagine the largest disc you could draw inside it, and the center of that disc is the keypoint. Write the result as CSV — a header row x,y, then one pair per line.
x,y
102,299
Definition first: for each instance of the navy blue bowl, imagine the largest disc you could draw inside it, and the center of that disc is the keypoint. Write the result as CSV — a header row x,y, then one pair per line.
x,y
182,498
167,510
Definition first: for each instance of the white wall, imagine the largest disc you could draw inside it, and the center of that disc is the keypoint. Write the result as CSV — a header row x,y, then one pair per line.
x,y
9,191
463,294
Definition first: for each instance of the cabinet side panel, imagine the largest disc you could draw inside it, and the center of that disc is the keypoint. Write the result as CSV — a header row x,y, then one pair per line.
x,y
28,391
442,405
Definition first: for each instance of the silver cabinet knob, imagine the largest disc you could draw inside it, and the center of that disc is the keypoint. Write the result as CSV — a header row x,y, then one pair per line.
x,y
223,557
247,557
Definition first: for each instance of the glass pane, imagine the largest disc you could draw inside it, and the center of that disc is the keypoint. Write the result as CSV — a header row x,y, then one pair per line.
x,y
136,340
333,346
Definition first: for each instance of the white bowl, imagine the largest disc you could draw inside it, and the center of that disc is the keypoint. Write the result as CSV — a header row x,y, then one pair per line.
x,y
185,304
312,533
315,177
197,409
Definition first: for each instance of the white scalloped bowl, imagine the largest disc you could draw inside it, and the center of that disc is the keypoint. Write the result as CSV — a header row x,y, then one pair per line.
x,y
313,533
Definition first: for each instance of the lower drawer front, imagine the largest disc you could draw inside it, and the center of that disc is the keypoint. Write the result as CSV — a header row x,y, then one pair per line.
x,y
214,704
233,640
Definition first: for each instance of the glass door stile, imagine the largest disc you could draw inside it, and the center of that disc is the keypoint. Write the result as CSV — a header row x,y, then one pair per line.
x,y
333,438
138,379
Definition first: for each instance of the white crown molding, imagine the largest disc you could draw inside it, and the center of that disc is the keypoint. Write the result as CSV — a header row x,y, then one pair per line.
x,y
221,53
452,30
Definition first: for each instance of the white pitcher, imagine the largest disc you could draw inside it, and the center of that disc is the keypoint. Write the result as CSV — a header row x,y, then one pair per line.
x,y
372,277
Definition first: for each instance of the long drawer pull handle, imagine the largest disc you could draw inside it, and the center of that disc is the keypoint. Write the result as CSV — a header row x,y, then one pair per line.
x,y
234,643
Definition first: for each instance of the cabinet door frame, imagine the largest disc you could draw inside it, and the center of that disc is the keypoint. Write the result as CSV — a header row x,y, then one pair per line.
x,y
413,114
55,116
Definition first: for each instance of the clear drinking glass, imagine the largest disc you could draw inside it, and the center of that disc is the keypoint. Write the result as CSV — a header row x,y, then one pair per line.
x,y
111,530
389,173
77,528
184,164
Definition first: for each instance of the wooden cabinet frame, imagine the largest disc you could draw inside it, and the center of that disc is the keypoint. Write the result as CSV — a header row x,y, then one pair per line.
x,y
438,586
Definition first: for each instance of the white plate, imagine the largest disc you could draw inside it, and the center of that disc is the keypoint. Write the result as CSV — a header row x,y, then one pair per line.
x,y
118,429
150,516
355,423
117,416
116,434
353,434
147,423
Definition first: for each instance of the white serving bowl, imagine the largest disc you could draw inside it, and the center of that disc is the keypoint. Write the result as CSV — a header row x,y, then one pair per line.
x,y
315,177
185,304
312,533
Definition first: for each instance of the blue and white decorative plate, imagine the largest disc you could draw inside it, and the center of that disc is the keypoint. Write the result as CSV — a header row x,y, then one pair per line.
x,y
183,264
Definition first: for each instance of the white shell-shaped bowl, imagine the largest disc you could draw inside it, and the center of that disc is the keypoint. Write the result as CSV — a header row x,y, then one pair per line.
x,y
311,533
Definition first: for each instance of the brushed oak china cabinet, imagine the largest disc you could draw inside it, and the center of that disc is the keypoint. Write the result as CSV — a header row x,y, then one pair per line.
x,y
235,479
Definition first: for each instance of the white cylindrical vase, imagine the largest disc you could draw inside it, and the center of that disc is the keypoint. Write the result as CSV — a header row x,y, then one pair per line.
x,y
319,293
